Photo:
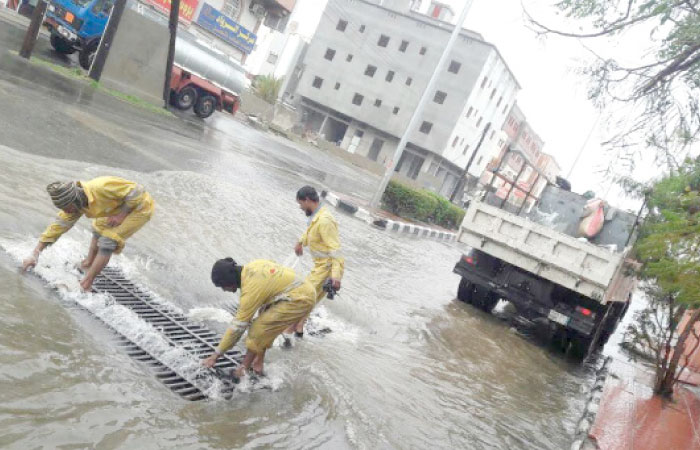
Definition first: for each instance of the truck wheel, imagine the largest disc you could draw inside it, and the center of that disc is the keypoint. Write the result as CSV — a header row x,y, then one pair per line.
x,y
465,291
484,299
186,98
61,45
87,55
205,106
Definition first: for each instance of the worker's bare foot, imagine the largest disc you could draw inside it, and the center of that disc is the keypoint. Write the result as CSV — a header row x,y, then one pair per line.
x,y
86,284
239,372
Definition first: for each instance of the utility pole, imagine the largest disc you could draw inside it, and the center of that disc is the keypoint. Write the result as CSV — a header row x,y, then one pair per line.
x,y
106,42
377,198
172,26
33,30
460,182
583,147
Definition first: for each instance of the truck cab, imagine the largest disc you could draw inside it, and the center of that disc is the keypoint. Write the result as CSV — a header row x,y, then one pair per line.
x,y
77,25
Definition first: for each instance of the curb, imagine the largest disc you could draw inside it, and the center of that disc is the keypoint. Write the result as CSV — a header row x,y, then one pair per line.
x,y
387,224
582,441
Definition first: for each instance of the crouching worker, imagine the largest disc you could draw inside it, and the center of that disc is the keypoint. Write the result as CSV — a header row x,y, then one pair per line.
x,y
120,208
273,291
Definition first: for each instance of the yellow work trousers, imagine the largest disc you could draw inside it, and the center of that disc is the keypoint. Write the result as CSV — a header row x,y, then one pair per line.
x,y
132,223
319,274
279,316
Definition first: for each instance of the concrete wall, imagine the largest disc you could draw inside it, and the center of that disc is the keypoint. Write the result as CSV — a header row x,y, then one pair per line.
x,y
137,58
251,104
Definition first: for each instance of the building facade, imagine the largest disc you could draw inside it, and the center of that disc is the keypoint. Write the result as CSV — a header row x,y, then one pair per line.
x,y
365,70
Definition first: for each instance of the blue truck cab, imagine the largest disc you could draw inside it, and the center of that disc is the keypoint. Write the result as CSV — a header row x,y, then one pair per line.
x,y
77,25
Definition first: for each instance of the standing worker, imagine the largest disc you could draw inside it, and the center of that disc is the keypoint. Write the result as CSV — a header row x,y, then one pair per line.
x,y
120,208
321,237
275,292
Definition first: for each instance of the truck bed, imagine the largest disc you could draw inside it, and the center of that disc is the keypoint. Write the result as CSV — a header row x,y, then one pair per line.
x,y
575,264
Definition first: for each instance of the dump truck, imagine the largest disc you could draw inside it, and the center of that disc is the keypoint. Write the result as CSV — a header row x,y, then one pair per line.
x,y
526,249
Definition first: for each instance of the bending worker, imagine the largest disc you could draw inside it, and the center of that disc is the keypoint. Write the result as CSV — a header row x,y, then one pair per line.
x,y
120,208
268,288
321,237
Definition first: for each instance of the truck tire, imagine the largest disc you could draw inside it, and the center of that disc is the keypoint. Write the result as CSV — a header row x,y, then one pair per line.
x,y
484,299
205,106
61,45
465,290
185,98
87,54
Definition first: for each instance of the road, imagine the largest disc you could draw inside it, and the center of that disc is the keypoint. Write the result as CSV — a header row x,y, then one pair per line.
x,y
405,366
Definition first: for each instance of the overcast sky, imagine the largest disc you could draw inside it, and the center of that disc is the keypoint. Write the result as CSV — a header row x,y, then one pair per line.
x,y
553,95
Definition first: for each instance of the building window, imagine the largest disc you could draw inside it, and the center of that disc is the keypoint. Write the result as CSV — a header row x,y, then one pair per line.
x,y
478,123
275,22
389,76
330,54
461,142
362,28
231,8
466,149
403,46
348,58
422,51
500,99
357,99
342,24
454,141
493,132
454,67
377,103
383,40
481,158
439,97
409,80
483,83
272,58
493,94
469,113
396,110
370,70
317,83
337,86
505,108
425,127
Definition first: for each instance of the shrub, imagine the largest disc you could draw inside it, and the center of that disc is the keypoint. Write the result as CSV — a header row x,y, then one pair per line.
x,y
421,205
268,87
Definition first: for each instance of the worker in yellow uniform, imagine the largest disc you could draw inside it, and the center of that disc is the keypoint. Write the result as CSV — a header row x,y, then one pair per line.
x,y
120,208
269,289
321,237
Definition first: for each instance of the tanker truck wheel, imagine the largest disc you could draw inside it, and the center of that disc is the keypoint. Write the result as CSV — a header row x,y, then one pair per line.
x,y
185,98
205,106
61,45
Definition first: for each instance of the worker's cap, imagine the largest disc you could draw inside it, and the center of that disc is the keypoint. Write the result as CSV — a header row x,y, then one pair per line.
x,y
64,194
223,273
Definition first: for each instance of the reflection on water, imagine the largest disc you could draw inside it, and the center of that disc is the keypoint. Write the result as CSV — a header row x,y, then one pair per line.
x,y
406,365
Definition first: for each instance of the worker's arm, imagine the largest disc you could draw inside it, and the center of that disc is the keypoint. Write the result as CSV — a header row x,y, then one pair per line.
x,y
60,225
329,234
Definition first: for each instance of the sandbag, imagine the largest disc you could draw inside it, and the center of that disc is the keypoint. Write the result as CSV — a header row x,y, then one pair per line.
x,y
594,219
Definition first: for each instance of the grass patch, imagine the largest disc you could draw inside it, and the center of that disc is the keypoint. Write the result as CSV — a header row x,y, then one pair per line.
x,y
78,74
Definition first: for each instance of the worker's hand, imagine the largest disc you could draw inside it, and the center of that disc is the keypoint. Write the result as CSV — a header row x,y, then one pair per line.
x,y
29,263
299,249
115,221
335,283
209,362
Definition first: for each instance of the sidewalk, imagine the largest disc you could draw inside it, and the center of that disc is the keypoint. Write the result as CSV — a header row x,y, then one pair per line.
x,y
384,220
629,417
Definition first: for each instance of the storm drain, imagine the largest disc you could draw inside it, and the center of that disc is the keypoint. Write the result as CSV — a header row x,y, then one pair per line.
x,y
177,330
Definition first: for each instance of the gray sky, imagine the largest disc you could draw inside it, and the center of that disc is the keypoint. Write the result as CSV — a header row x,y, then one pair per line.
x,y
553,95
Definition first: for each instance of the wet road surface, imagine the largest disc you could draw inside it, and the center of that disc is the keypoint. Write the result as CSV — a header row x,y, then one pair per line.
x,y
406,365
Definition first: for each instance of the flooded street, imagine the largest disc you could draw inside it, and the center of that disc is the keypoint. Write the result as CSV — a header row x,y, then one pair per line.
x,y
405,366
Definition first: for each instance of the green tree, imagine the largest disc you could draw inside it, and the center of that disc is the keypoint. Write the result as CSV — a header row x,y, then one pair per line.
x,y
268,87
669,250
660,92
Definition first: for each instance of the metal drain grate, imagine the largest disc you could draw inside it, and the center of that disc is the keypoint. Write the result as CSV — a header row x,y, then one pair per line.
x,y
176,329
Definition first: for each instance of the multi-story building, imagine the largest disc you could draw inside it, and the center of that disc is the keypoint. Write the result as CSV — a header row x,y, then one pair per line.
x,y
363,75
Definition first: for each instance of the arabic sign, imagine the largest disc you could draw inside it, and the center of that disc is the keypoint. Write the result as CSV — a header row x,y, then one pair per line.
x,y
221,26
187,8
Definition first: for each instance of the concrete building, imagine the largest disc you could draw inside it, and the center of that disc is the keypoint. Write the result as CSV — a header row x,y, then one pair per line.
x,y
365,70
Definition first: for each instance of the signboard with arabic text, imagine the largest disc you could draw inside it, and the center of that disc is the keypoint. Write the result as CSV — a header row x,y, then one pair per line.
x,y
187,8
226,29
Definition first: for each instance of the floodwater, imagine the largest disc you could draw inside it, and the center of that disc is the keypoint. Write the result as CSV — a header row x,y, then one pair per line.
x,y
405,366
